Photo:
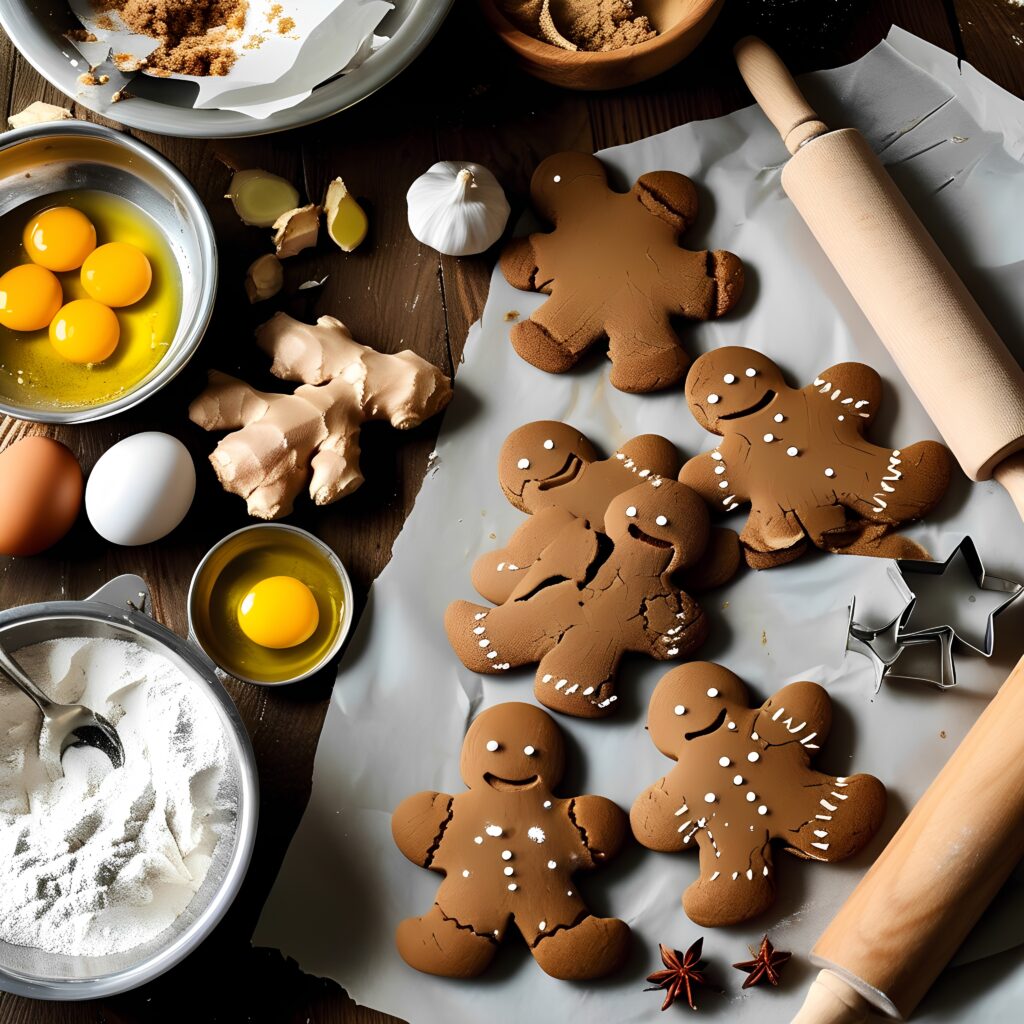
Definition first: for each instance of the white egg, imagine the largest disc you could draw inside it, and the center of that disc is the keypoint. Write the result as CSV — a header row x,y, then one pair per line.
x,y
140,489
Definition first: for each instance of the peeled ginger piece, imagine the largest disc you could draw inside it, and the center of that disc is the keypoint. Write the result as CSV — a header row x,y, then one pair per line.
x,y
260,197
346,220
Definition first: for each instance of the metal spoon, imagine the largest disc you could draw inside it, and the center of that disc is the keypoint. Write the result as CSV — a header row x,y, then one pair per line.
x,y
64,725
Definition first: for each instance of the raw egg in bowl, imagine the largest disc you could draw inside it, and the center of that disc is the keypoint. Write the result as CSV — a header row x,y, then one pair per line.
x,y
270,604
105,229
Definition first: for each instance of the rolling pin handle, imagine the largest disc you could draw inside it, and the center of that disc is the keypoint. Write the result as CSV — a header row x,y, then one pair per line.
x,y
831,1001
779,96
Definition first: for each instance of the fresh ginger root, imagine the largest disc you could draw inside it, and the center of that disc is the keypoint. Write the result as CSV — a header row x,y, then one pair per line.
x,y
275,439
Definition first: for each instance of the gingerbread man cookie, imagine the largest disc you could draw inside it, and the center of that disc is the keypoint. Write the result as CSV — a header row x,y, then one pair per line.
x,y
553,472
743,780
800,460
614,268
578,630
508,848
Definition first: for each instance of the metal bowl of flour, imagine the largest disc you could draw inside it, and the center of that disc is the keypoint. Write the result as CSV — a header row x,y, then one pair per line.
x,y
116,611
42,159
37,28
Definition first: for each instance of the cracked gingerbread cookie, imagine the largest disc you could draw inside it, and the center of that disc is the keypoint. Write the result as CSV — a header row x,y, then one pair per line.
x,y
508,848
552,472
577,630
799,458
614,269
742,781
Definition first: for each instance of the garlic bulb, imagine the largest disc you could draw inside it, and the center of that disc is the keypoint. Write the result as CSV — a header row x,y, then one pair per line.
x,y
457,208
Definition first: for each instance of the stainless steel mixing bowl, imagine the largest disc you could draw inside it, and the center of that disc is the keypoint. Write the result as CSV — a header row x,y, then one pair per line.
x,y
115,612
46,158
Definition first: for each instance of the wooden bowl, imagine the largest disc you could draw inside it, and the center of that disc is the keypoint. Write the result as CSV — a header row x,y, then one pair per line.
x,y
681,25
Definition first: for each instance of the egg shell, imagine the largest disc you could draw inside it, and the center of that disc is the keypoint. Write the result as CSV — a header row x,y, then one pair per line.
x,y
140,489
40,495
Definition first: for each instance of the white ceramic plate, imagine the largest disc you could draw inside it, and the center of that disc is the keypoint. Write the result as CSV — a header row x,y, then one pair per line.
x,y
36,28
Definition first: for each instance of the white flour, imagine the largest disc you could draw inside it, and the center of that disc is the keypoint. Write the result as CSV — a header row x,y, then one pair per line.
x,y
101,861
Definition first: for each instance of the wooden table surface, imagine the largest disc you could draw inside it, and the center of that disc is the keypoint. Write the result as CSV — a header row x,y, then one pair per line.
x,y
461,99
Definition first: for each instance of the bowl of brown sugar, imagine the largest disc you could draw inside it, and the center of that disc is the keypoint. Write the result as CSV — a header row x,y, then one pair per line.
x,y
600,44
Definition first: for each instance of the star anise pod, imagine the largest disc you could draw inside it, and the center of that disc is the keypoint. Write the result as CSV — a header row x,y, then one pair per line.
x,y
683,973
766,965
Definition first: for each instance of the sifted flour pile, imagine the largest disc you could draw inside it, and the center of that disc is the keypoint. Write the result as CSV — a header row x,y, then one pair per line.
x,y
101,861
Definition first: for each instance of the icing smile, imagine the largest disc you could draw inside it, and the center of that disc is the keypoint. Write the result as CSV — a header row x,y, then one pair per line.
x,y
508,785
765,400
655,542
569,471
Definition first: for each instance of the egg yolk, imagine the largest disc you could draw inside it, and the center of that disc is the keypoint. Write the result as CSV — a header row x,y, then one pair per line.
x,y
29,298
117,274
59,238
85,331
279,612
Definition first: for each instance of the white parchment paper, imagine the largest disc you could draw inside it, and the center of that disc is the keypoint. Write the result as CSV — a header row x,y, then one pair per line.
x,y
402,700
328,37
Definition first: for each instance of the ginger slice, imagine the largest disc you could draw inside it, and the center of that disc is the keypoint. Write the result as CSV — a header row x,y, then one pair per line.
x,y
39,113
264,279
296,230
282,443
260,197
346,220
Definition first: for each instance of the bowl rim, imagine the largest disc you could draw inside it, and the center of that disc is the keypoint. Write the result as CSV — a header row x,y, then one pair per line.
x,y
189,335
148,115
347,615
548,53
246,820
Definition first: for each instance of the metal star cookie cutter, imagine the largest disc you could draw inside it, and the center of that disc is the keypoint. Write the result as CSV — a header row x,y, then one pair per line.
x,y
884,646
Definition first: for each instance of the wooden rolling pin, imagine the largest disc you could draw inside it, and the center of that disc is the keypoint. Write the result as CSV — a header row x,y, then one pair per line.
x,y
957,847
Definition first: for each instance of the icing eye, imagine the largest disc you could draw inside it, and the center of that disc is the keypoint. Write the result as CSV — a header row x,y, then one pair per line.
x,y
529,751
769,438
557,178
712,399
730,378
679,709
710,798
791,451
631,511
661,520
779,417
830,472
724,762
549,444
713,692
492,745
523,463
750,371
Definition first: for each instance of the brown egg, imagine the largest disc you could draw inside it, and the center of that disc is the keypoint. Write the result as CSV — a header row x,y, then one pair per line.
x,y
40,495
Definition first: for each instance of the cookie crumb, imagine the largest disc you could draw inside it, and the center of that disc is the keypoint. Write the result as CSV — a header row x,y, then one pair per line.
x,y
942,734
512,314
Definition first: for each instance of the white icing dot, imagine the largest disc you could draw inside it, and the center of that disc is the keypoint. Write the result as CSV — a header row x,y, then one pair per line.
x,y
730,378
737,780
840,418
552,865
751,797
762,809
769,438
523,463
713,692
679,709
513,887
710,798
750,371
719,469
631,511
712,399
661,520
492,745
529,751
569,893
506,854
723,484
778,417
792,451
542,925
547,804
753,756
557,178
478,840
830,472
509,872
717,456
493,830
724,762
485,642
549,444
465,874
536,833
754,736
731,726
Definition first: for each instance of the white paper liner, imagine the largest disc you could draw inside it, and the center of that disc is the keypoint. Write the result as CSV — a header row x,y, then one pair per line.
x,y
330,37
402,700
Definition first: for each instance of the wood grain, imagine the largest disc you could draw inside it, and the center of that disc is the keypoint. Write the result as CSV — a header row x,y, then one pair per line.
x,y
462,99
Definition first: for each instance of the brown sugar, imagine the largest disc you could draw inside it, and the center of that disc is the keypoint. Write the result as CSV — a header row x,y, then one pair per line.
x,y
195,36
581,24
